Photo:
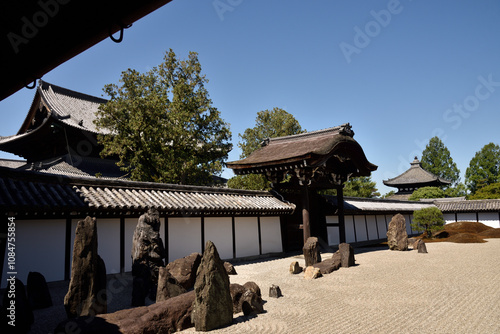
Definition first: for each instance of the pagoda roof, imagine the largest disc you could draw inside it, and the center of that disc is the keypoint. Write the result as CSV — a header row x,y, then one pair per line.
x,y
305,150
416,176
54,107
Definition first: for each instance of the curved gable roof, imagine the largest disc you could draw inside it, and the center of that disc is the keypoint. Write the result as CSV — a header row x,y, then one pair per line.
x,y
416,175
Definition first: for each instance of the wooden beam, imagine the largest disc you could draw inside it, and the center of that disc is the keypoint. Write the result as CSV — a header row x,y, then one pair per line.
x,y
340,205
305,213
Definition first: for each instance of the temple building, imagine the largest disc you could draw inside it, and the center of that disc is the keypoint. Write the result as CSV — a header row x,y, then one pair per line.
x,y
414,178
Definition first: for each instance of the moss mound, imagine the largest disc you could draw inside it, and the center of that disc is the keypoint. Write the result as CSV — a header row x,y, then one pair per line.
x,y
467,227
491,233
466,238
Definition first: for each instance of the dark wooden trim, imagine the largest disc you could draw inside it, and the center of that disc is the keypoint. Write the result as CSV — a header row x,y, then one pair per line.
x,y
202,219
376,226
477,216
233,230
166,238
67,251
340,209
122,244
386,224
260,235
354,227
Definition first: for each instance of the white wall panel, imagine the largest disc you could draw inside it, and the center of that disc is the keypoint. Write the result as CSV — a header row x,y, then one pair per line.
x,y
466,217
333,231
184,237
382,226
372,227
349,229
360,228
219,231
39,246
270,230
247,236
108,243
490,219
449,218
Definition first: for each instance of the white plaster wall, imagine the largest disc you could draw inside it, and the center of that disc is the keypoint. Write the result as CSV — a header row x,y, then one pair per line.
x,y
219,230
349,229
469,217
408,220
360,228
449,218
40,247
246,236
333,231
270,230
490,219
184,237
382,226
372,227
108,243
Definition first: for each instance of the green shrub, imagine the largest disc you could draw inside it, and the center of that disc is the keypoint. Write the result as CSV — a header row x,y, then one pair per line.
x,y
427,192
427,220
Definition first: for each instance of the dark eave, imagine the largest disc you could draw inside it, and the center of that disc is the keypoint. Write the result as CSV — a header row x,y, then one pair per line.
x,y
40,35
416,177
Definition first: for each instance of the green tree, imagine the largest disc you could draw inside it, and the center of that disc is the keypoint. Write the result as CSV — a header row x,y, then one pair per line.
x,y
487,192
389,194
484,168
268,124
427,192
459,190
162,125
361,186
427,220
436,159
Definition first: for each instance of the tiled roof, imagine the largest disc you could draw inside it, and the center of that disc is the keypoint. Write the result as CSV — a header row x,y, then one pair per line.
x,y
33,192
468,205
416,175
72,108
306,149
363,205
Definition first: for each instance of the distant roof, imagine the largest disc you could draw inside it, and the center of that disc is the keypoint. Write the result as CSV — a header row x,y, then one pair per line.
x,y
33,193
463,205
306,150
416,176
354,205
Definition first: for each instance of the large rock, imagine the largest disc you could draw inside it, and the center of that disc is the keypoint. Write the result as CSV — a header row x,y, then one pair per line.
x,y
168,286
167,316
213,307
38,291
346,255
311,251
312,273
251,303
236,291
147,257
295,268
87,288
397,237
420,246
184,270
275,291
329,265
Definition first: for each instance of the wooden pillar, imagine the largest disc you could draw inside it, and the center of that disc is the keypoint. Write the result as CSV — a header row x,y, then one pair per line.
x,y
305,214
340,205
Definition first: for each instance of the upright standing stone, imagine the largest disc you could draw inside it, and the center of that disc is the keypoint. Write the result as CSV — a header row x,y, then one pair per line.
x,y
397,237
87,288
38,291
420,246
311,251
346,255
168,286
213,306
147,257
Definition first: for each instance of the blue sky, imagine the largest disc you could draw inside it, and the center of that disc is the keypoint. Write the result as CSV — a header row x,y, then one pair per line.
x,y
400,72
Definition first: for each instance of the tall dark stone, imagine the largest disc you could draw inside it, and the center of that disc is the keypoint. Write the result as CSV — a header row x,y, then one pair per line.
x,y
87,288
346,255
311,251
397,237
147,257
38,291
168,286
213,307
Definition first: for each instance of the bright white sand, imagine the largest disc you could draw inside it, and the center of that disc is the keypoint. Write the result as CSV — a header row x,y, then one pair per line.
x,y
455,288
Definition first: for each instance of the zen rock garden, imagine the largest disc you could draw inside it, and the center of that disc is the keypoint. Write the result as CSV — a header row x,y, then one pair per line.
x,y
397,237
193,291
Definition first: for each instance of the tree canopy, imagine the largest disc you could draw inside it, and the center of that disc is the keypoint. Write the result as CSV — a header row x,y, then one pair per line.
x,y
487,192
427,192
427,220
361,186
163,125
484,168
436,159
268,124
